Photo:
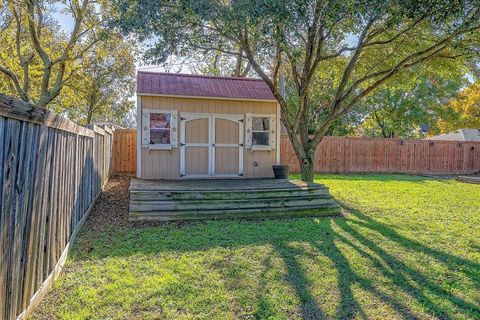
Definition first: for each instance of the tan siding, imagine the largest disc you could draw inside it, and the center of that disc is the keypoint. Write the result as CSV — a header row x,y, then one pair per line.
x,y
165,164
258,163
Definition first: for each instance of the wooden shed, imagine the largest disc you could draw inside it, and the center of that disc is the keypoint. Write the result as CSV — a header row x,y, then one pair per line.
x,y
194,126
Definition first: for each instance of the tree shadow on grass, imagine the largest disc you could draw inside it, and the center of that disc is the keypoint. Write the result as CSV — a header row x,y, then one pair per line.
x,y
411,282
470,268
326,236
298,280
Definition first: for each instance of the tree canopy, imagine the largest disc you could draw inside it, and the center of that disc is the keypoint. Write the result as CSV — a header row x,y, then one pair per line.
x,y
104,85
369,42
414,99
38,48
467,106
86,73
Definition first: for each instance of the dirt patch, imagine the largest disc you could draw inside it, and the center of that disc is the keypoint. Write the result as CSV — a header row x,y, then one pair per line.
x,y
111,208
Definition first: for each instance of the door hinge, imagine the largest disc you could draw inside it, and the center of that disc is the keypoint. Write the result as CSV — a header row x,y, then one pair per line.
x,y
183,119
182,144
241,120
240,174
240,145
182,175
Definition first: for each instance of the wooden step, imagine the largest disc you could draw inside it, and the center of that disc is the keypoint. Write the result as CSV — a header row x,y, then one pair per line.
x,y
294,212
469,179
224,199
223,195
230,204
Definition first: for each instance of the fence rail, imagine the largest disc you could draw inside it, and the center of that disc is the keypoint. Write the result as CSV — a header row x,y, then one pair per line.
x,y
350,155
51,172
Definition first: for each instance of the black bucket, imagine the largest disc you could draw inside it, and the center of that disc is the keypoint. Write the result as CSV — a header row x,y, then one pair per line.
x,y
280,172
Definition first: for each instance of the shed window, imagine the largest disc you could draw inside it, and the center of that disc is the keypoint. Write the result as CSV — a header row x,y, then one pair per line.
x,y
159,129
160,126
261,134
260,131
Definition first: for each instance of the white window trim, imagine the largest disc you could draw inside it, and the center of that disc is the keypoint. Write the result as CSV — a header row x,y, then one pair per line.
x,y
259,147
163,146
160,146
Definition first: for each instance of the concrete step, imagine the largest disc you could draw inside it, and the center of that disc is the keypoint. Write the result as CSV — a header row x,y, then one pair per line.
x,y
282,202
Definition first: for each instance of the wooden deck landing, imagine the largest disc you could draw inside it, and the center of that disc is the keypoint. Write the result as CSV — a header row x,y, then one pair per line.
x,y
219,184
236,198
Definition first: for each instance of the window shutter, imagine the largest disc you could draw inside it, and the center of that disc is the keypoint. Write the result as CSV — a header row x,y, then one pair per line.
x,y
173,130
273,132
249,130
146,127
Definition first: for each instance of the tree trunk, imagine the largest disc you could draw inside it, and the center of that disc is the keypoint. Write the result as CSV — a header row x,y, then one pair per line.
x,y
305,152
307,166
88,120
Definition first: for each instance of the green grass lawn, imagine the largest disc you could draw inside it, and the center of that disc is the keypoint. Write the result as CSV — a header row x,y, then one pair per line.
x,y
406,247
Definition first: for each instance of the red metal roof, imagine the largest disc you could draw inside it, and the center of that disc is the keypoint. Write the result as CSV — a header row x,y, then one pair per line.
x,y
178,84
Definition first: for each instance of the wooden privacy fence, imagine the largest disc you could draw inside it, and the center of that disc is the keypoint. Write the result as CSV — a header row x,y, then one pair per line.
x,y
349,154
342,154
125,150
51,172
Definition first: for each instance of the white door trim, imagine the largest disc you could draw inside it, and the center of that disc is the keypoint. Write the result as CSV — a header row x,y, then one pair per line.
x,y
238,118
185,117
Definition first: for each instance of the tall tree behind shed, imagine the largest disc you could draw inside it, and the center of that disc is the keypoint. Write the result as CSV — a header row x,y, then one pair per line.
x,y
372,41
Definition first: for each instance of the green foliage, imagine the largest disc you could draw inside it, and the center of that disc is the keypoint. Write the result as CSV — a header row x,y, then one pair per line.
x,y
467,106
347,49
86,73
409,101
407,248
53,39
104,85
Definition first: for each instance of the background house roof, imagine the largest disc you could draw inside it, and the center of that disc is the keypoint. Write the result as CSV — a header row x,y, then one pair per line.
x,y
177,84
459,135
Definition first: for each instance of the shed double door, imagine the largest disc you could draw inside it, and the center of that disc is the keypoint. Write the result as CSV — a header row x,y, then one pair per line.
x,y
211,145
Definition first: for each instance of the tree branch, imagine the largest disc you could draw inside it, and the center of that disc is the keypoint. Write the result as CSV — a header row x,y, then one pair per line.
x,y
14,78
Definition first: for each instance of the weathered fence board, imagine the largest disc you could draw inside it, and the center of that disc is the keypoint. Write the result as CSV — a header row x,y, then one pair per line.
x,y
51,172
349,154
